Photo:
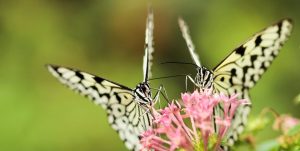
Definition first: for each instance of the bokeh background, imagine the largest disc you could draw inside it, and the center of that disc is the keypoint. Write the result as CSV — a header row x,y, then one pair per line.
x,y
107,38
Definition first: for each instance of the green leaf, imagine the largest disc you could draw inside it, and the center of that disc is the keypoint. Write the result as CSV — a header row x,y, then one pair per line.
x,y
257,124
271,145
293,131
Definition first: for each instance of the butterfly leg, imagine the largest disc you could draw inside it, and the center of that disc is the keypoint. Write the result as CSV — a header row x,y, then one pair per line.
x,y
161,90
156,96
146,111
186,81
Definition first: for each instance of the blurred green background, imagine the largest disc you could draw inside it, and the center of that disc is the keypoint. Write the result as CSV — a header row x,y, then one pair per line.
x,y
107,38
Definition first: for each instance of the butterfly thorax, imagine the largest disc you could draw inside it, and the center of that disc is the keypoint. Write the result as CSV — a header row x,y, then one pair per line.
x,y
204,78
142,94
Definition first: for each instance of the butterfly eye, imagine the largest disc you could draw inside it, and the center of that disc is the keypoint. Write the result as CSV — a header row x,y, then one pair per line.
x,y
143,88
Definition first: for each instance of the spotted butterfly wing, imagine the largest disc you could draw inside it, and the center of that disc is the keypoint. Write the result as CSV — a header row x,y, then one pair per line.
x,y
246,64
185,34
147,60
125,116
240,71
126,108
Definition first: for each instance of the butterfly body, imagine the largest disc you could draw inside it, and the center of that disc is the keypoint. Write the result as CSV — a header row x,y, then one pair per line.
x,y
204,78
142,94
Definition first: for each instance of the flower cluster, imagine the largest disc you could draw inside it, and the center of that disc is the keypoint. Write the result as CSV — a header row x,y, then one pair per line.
x,y
190,126
285,122
289,126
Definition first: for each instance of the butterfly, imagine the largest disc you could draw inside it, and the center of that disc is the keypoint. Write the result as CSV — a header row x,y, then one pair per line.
x,y
241,69
127,109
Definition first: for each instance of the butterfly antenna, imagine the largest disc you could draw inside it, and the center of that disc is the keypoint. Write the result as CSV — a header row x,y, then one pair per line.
x,y
177,62
172,76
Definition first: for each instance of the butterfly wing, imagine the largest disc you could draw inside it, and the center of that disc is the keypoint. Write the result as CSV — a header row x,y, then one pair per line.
x,y
240,71
148,46
186,35
124,115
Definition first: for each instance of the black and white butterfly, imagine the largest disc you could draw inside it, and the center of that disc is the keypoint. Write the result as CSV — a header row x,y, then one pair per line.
x,y
127,109
241,69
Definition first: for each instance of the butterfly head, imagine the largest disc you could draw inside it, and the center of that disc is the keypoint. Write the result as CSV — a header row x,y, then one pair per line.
x,y
204,78
143,94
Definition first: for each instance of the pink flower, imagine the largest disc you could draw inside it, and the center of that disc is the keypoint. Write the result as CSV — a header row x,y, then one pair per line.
x,y
187,126
285,122
230,104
